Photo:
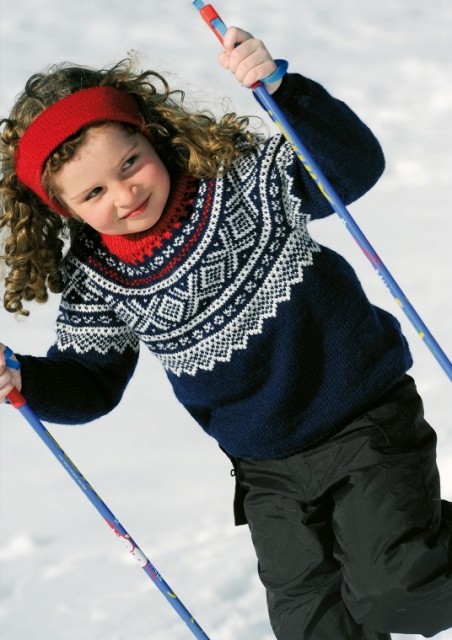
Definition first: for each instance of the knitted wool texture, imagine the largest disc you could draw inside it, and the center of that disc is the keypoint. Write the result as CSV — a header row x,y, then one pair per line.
x,y
266,337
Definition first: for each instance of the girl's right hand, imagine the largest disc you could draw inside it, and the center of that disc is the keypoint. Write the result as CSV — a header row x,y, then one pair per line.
x,y
247,58
9,378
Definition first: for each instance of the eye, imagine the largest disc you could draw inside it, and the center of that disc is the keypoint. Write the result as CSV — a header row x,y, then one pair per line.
x,y
92,194
130,161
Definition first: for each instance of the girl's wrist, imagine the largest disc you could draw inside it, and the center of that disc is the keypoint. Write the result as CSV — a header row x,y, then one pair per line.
x,y
273,81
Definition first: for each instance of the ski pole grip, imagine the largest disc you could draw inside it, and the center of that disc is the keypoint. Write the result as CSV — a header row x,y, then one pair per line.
x,y
211,18
14,396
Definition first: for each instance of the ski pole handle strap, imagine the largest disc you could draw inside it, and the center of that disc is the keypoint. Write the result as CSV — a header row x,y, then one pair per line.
x,y
278,73
11,362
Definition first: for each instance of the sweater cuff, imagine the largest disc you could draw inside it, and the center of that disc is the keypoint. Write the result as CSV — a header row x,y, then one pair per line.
x,y
295,90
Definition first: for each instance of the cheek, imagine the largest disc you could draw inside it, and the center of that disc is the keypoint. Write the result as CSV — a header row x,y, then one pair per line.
x,y
157,171
98,217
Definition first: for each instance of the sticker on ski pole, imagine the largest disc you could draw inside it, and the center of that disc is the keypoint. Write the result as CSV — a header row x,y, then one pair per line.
x,y
130,545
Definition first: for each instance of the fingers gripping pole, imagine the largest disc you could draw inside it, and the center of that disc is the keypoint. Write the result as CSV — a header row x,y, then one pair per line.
x,y
217,25
19,403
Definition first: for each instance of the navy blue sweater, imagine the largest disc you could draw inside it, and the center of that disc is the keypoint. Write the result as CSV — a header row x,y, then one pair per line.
x,y
267,338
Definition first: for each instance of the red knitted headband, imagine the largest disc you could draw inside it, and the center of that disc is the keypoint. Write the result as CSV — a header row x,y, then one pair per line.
x,y
62,120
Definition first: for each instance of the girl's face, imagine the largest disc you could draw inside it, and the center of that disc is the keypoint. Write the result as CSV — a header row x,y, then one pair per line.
x,y
115,182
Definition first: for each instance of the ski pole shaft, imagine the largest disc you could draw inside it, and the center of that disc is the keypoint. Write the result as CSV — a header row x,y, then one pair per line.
x,y
18,402
219,28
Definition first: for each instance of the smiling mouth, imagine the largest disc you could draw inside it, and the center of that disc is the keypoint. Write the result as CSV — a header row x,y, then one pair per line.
x,y
138,210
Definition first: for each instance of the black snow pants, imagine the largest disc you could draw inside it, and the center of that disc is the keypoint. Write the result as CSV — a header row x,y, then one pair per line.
x,y
352,539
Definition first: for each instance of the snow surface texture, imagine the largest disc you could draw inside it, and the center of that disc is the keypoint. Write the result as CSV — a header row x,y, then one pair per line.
x,y
63,576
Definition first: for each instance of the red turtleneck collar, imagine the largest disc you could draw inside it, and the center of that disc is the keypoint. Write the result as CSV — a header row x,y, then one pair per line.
x,y
134,247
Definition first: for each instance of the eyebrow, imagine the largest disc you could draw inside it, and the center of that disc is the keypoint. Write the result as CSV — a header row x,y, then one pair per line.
x,y
80,195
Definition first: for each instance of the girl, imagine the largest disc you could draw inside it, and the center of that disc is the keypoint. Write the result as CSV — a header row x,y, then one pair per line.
x,y
189,234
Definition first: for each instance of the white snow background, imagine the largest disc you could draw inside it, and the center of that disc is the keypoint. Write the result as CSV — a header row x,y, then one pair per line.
x,y
63,574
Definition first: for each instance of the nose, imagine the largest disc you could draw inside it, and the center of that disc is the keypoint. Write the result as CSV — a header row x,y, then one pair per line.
x,y
125,194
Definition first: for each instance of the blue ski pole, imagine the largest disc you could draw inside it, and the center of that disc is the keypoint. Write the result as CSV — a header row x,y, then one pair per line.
x,y
219,28
18,402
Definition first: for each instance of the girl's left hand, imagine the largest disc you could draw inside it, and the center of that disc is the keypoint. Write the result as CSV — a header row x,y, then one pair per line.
x,y
247,58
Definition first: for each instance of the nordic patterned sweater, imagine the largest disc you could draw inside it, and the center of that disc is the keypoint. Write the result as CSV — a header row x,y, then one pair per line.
x,y
267,338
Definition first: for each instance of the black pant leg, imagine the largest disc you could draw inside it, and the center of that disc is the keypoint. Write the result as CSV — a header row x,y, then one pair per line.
x,y
394,534
352,538
294,544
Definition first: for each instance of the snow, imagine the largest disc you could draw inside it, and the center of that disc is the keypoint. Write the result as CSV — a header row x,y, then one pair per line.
x,y
62,573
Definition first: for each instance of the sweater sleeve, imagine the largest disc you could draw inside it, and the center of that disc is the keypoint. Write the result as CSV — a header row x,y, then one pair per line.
x,y
342,145
86,371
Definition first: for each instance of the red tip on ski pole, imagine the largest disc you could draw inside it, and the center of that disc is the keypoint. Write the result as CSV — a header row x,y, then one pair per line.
x,y
16,398
212,19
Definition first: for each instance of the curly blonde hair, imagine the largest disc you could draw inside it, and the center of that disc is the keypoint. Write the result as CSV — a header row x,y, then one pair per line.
x,y
35,237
